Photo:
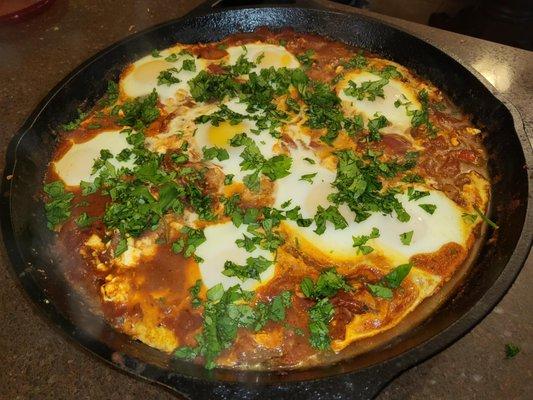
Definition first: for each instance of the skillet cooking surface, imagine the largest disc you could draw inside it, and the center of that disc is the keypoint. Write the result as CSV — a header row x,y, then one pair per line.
x,y
501,256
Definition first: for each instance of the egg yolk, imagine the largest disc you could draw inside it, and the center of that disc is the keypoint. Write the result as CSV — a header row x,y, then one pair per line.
x,y
149,71
274,59
219,136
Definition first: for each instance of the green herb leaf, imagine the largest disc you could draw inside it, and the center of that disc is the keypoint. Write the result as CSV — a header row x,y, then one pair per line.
x,y
485,219
330,214
320,316
251,270
368,90
414,194
406,238
374,125
84,221
58,204
380,291
166,77
122,246
429,208
511,350
308,177
194,292
359,242
215,152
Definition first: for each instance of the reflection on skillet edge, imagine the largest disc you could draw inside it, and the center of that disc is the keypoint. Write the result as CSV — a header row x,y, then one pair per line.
x,y
265,201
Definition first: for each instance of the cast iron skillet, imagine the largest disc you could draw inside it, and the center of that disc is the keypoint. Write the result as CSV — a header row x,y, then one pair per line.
x,y
500,259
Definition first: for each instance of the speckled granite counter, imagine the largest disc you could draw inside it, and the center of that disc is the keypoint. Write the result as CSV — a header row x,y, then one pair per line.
x,y
38,363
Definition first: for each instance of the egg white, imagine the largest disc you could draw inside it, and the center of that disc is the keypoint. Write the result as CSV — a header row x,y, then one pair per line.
x,y
400,121
220,247
430,231
142,76
76,164
268,55
207,135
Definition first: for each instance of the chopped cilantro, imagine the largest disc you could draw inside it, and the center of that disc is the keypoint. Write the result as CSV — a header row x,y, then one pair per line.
x,y
511,350
139,112
429,208
414,194
308,177
211,87
306,58
328,284
406,238
166,77
485,218
390,281
58,205
188,65
368,90
374,125
122,246
75,123
330,214
228,179
359,61
84,221
215,152
359,242
421,117
389,72
194,292
320,316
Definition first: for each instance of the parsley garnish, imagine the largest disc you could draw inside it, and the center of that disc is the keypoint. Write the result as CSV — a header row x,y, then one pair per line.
x,y
320,316
224,313
429,208
366,90
389,72
390,281
58,205
327,285
421,117
139,112
374,125
166,77
188,65
306,59
122,246
75,123
485,218
188,245
228,179
308,177
330,214
194,292
251,270
414,194
358,185
359,242
511,350
211,87
84,221
406,238
215,152
359,61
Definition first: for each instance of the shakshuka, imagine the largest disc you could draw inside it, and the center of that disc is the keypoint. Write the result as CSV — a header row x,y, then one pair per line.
x,y
267,200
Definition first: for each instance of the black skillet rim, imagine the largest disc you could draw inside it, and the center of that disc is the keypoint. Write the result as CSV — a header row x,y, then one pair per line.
x,y
396,365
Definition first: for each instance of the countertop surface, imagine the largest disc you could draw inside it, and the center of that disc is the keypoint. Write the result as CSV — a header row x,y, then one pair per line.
x,y
39,363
